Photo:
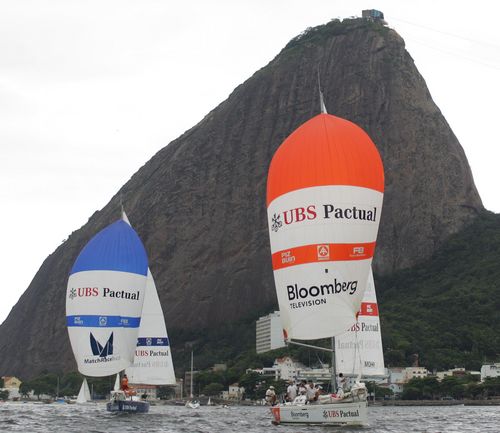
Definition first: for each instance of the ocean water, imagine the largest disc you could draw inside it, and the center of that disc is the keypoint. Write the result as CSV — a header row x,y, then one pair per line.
x,y
56,418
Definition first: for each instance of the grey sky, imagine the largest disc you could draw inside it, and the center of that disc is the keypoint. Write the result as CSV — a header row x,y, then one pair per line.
x,y
90,90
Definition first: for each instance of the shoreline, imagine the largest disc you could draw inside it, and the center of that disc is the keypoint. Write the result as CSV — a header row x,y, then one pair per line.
x,y
495,402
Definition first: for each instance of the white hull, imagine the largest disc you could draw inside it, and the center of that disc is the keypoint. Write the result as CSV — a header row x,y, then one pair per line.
x,y
353,413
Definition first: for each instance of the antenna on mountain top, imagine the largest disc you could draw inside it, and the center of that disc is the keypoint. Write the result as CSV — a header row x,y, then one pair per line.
x,y
321,99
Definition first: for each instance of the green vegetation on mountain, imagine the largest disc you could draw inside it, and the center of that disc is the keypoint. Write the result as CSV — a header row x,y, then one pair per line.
x,y
446,309
429,388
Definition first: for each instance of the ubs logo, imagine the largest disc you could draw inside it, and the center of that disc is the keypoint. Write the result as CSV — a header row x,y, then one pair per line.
x,y
277,223
291,216
83,292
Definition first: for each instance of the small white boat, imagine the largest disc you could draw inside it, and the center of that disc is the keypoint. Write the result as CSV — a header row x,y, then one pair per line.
x,y
84,394
192,404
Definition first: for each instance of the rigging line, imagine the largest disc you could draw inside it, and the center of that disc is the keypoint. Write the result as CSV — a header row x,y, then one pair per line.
x,y
455,54
465,38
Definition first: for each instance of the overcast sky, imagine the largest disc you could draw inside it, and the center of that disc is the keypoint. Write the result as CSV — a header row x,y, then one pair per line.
x,y
91,90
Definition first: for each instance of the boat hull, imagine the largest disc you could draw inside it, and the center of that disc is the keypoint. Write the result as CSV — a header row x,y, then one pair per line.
x,y
129,406
352,413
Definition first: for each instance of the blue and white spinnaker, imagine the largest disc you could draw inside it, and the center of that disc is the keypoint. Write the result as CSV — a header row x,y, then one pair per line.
x,y
104,300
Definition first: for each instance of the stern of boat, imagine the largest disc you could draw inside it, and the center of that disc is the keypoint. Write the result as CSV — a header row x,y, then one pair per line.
x,y
276,415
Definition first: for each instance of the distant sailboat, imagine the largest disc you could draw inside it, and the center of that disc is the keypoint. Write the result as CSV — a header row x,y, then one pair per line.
x,y
104,303
84,394
192,404
116,387
367,358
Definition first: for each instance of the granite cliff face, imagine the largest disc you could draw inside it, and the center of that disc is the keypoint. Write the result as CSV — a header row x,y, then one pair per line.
x,y
199,203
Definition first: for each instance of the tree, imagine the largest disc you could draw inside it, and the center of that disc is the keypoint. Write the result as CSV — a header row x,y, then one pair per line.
x,y
24,389
70,383
213,389
250,382
411,393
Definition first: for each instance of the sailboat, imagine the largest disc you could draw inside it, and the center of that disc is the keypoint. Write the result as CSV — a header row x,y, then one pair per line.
x,y
324,198
104,301
84,394
192,404
359,351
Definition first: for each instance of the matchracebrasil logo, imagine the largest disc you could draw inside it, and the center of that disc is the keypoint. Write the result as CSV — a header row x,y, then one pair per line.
x,y
98,349
325,211
103,352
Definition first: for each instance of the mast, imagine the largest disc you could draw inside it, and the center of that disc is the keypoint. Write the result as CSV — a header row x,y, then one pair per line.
x,y
334,373
191,376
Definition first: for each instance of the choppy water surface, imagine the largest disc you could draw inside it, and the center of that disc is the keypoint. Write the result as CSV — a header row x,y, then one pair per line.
x,y
93,418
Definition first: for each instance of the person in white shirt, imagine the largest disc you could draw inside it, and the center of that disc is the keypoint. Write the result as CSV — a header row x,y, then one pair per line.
x,y
301,398
310,392
271,396
341,382
291,391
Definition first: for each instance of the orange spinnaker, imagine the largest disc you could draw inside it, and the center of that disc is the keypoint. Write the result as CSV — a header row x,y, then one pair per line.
x,y
326,150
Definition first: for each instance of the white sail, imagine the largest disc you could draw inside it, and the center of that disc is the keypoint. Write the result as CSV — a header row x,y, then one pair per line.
x,y
359,350
104,300
153,359
84,394
117,383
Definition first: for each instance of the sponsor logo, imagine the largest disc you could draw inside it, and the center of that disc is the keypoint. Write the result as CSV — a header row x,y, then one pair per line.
x,y
276,223
287,258
151,352
325,211
316,294
82,292
101,350
85,292
341,413
364,327
299,414
358,251
296,292
370,364
323,252
121,294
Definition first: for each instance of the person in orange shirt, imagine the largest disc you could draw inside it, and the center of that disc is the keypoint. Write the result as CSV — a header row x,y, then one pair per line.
x,y
124,386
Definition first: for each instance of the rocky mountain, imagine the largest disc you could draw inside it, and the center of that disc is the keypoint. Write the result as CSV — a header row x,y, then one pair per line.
x,y
199,203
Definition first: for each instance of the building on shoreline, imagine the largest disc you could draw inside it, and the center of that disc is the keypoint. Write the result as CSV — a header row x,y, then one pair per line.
x,y
490,370
269,333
